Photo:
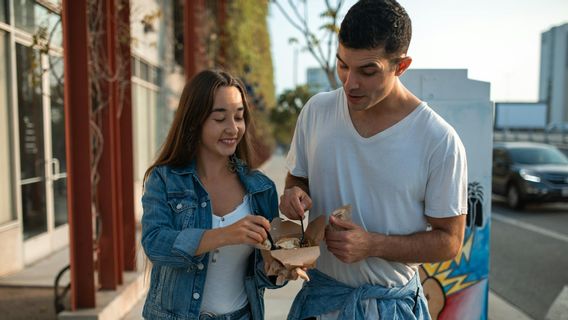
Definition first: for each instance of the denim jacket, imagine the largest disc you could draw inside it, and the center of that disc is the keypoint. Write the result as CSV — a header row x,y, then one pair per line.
x,y
323,294
177,211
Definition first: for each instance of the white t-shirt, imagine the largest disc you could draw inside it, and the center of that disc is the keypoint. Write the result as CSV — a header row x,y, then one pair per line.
x,y
224,289
415,168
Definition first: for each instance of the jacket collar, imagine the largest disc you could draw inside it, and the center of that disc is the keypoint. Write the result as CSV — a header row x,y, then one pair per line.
x,y
189,168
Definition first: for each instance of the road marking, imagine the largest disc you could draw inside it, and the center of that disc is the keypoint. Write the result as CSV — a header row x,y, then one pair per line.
x,y
530,227
559,309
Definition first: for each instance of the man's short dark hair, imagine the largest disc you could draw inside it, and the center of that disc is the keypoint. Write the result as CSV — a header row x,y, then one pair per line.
x,y
371,24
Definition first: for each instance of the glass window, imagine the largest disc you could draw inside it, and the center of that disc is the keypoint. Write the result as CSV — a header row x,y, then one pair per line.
x,y
133,66
38,20
144,71
58,140
32,155
142,134
6,209
3,11
536,156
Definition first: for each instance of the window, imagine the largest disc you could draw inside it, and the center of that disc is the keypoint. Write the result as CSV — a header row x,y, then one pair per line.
x,y
32,152
3,11
149,120
58,140
38,20
7,212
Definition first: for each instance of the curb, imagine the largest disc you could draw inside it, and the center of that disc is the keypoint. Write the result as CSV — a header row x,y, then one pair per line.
x,y
500,309
559,308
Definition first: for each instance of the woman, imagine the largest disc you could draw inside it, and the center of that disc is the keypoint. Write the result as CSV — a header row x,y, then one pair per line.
x,y
204,209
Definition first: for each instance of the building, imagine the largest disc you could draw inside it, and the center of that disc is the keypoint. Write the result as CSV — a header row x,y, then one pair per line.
x,y
33,212
520,116
317,80
88,90
553,85
33,215
137,73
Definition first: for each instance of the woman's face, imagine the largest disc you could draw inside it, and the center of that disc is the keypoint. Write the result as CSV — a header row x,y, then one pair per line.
x,y
225,126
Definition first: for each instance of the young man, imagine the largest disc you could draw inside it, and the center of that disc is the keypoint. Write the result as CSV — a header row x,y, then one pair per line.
x,y
376,146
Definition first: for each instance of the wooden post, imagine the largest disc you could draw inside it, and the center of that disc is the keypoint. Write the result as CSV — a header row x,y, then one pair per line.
x,y
192,10
78,151
222,24
126,139
110,271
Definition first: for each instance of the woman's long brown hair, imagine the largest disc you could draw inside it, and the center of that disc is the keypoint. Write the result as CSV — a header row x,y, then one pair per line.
x,y
196,102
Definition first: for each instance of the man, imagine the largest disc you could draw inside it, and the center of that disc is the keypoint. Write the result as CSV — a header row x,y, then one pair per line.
x,y
376,146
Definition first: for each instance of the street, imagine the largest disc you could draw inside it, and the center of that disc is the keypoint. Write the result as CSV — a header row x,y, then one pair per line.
x,y
529,255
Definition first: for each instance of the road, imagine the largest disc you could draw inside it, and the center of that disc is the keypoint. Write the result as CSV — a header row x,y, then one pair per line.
x,y
529,256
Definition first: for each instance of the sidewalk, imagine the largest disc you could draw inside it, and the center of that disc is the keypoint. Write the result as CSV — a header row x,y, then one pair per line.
x,y
28,294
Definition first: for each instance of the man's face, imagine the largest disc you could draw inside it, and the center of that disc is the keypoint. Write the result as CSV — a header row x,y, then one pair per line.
x,y
368,76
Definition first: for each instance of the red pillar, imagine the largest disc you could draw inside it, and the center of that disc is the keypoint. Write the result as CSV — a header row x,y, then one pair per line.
x,y
222,24
126,139
78,151
110,270
193,9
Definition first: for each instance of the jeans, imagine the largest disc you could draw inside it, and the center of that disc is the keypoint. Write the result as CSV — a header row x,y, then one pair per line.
x,y
324,294
241,314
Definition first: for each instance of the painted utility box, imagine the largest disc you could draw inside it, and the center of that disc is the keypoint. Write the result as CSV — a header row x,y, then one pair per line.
x,y
458,289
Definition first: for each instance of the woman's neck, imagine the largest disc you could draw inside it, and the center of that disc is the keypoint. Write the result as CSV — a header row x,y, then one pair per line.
x,y
212,168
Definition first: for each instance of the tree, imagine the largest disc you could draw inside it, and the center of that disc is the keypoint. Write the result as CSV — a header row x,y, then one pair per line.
x,y
247,50
283,116
322,50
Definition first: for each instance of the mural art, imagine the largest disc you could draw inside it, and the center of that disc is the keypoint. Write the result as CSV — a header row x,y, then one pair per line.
x,y
457,289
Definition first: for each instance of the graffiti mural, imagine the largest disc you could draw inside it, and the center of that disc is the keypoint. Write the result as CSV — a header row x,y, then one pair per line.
x,y
474,205
457,289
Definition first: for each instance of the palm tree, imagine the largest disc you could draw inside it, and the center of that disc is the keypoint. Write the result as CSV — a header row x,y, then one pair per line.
x,y
475,204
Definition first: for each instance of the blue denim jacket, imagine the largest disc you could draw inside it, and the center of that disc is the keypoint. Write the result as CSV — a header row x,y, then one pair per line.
x,y
323,294
177,211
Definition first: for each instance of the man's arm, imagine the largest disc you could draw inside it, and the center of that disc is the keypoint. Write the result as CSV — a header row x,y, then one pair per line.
x,y
442,242
293,181
296,198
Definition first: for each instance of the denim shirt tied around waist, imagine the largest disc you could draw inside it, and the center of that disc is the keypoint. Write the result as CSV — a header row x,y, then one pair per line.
x,y
177,211
323,294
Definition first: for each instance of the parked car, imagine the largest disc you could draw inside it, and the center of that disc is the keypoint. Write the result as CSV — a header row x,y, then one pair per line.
x,y
527,172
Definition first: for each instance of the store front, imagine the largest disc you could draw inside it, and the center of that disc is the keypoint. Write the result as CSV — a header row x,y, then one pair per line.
x,y
33,165
33,198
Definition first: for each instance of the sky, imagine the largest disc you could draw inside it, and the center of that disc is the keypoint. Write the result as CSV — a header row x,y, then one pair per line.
x,y
498,41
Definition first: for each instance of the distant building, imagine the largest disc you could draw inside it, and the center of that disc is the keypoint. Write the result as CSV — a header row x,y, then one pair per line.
x,y
553,86
317,80
520,116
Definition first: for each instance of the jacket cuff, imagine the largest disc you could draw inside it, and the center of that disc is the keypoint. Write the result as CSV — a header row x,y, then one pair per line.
x,y
187,242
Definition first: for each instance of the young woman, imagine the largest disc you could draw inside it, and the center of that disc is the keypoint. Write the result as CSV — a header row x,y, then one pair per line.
x,y
204,210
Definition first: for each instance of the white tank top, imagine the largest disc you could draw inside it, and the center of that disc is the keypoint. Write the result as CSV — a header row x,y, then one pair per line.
x,y
224,290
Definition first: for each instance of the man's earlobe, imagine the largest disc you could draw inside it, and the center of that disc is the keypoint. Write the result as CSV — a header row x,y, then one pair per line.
x,y
403,65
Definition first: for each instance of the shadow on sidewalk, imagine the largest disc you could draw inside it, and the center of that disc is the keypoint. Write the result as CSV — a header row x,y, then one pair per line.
x,y
27,303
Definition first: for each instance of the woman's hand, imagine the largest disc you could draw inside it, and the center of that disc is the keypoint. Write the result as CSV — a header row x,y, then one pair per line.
x,y
249,230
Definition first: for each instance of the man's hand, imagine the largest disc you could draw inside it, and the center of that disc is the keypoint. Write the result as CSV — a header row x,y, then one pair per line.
x,y
349,245
294,202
